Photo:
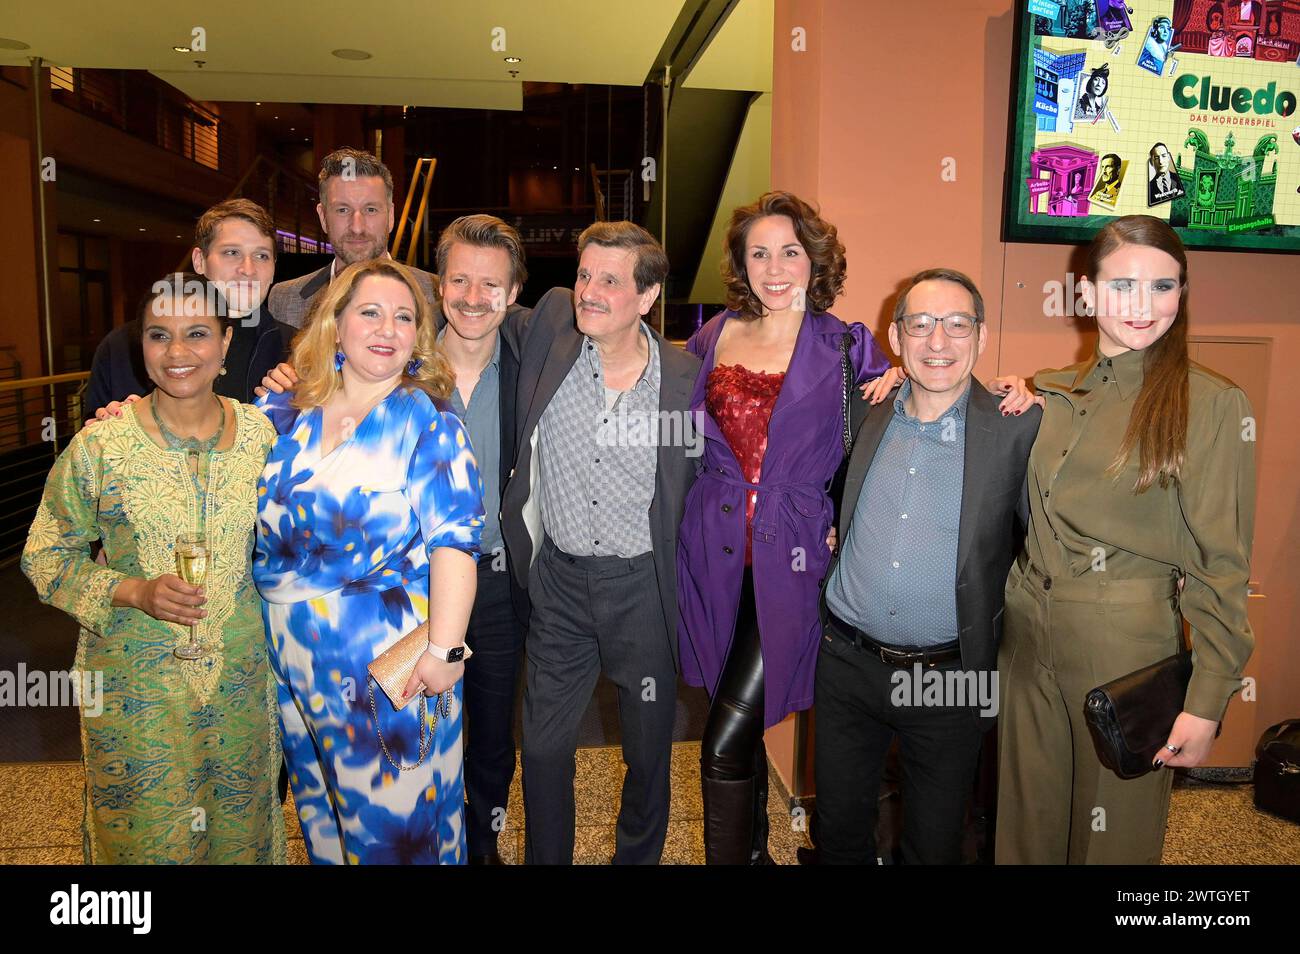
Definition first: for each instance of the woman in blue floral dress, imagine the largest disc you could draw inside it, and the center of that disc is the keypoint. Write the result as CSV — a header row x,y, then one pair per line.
x,y
369,517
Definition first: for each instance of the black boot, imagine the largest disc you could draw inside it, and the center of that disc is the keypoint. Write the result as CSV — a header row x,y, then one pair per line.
x,y
728,820
758,849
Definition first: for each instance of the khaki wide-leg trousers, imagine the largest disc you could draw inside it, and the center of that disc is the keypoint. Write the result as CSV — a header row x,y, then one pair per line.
x,y
1062,637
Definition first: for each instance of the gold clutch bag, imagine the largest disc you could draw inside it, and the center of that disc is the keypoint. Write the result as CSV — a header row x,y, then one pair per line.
x,y
393,667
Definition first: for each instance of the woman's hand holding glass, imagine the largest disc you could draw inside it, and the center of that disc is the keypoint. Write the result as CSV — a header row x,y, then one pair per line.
x,y
167,598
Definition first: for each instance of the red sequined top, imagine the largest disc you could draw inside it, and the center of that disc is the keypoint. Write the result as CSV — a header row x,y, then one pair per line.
x,y
741,402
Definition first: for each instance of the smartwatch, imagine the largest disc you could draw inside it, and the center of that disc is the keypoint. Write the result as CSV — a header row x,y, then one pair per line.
x,y
452,654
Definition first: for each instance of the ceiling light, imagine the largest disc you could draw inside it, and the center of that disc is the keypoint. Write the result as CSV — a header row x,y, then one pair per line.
x,y
94,220
8,44
257,104
346,54
513,59
182,49
142,228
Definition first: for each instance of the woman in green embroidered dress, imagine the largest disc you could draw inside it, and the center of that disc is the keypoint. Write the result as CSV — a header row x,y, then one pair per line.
x,y
181,763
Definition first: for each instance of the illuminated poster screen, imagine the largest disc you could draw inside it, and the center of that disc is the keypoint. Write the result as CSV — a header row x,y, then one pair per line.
x,y
1182,109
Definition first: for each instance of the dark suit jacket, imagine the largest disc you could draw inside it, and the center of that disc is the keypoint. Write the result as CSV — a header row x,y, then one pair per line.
x,y
512,329
549,347
290,301
994,510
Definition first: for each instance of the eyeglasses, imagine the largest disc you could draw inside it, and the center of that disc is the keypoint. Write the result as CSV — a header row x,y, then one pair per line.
x,y
922,325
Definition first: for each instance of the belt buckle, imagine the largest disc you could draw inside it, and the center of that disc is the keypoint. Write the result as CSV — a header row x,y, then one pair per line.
x,y
898,658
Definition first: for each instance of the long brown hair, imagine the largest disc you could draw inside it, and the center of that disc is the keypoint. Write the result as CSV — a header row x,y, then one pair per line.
x,y
817,236
314,346
1157,426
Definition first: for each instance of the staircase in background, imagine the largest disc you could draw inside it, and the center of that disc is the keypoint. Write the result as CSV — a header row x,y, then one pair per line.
x,y
614,196
418,237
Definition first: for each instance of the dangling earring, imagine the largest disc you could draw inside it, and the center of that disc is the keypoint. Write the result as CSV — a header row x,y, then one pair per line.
x,y
413,367
338,360
223,365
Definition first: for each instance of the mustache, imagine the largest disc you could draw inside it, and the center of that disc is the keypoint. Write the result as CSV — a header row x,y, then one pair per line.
x,y
466,304
593,306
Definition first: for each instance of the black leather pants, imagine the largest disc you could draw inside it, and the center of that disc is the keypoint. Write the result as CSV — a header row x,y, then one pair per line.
x,y
733,760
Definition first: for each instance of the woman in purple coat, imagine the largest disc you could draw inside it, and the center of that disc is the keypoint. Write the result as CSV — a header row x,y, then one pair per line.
x,y
753,549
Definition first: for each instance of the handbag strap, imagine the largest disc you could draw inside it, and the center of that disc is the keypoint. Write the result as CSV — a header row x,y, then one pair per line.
x,y
426,732
846,370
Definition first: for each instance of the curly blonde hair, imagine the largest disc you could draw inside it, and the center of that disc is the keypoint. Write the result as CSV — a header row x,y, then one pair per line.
x,y
314,346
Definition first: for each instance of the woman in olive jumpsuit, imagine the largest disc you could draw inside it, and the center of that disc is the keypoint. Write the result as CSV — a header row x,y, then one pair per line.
x,y
1142,503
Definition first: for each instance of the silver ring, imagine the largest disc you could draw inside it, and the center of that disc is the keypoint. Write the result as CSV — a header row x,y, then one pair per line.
x,y
1172,748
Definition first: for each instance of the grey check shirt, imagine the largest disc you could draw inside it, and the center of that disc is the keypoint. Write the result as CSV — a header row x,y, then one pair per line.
x,y
897,577
597,457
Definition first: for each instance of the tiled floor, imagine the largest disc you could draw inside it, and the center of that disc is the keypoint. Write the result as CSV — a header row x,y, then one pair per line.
x,y
40,818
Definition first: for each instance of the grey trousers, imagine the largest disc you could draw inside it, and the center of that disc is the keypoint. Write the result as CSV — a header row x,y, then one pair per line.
x,y
592,615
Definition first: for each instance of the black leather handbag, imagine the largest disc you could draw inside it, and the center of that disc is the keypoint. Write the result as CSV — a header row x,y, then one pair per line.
x,y
846,371
1130,717
1277,770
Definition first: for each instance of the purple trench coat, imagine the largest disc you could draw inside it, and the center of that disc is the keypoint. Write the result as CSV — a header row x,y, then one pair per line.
x,y
791,517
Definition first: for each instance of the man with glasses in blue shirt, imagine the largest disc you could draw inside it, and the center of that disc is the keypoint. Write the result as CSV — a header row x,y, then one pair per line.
x,y
932,515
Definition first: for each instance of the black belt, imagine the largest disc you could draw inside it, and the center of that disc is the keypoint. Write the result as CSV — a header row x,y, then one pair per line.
x,y
895,655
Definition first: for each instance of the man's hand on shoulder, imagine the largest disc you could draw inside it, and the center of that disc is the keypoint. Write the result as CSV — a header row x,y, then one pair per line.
x,y
279,379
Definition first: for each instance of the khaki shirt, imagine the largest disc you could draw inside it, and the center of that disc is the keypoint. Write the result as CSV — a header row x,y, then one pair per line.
x,y
1199,527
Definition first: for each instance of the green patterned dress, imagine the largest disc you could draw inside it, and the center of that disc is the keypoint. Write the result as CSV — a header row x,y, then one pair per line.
x,y
182,761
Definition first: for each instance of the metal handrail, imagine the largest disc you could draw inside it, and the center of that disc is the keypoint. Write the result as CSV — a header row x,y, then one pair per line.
x,y
599,193
41,382
426,165
34,428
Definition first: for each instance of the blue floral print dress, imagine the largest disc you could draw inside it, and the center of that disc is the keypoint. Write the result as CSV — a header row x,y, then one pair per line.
x,y
342,562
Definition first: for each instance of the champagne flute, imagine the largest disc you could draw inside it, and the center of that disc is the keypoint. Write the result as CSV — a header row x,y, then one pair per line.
x,y
192,567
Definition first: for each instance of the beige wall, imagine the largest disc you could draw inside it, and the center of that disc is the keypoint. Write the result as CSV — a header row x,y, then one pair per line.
x,y
862,125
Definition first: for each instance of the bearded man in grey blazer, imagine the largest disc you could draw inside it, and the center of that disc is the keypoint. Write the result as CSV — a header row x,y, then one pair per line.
x,y
356,212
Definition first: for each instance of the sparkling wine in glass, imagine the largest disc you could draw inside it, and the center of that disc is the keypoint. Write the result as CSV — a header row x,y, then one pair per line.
x,y
192,567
